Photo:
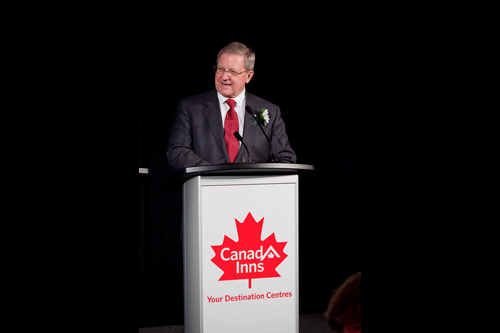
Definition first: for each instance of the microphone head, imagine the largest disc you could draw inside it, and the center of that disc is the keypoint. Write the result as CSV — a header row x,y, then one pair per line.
x,y
238,136
249,110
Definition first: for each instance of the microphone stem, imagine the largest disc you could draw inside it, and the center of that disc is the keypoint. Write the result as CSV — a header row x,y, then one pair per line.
x,y
273,158
240,139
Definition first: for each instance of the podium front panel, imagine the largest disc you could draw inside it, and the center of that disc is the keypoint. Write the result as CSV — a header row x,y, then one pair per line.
x,y
241,243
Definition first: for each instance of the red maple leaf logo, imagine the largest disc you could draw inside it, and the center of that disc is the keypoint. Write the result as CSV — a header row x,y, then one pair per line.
x,y
250,257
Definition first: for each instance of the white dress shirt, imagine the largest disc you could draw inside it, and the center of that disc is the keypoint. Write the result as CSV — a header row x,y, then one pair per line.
x,y
239,108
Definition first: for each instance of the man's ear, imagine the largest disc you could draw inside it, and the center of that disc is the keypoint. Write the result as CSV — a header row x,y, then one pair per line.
x,y
250,76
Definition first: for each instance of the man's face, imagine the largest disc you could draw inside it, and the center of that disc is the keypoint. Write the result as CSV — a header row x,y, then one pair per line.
x,y
227,84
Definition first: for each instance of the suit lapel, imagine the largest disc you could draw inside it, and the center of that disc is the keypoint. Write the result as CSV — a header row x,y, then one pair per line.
x,y
249,120
213,117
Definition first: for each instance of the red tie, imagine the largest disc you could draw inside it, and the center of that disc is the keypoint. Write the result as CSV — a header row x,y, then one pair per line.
x,y
231,125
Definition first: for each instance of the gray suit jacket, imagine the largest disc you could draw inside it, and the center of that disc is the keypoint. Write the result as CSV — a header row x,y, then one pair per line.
x,y
197,135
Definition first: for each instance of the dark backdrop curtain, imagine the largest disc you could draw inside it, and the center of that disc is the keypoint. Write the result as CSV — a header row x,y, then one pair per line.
x,y
317,84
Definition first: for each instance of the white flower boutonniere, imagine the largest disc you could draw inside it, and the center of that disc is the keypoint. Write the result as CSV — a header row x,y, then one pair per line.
x,y
263,117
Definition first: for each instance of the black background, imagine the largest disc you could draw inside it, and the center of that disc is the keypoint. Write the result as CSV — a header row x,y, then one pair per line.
x,y
315,76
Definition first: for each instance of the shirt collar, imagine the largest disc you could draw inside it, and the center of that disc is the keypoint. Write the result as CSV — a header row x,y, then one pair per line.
x,y
239,99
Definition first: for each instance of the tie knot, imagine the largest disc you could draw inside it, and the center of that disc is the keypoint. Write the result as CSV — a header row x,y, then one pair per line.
x,y
231,103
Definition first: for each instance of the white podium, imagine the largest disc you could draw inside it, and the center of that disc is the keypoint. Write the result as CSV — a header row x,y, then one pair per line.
x,y
241,248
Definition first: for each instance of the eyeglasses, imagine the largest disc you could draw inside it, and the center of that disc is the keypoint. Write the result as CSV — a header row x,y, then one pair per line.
x,y
220,70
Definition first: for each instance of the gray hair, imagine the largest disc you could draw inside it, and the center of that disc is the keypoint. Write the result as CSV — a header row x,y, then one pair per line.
x,y
240,49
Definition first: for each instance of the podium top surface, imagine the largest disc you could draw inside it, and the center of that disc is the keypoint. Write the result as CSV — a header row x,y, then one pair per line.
x,y
243,169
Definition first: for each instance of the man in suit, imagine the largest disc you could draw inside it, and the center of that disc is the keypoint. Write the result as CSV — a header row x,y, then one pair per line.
x,y
204,126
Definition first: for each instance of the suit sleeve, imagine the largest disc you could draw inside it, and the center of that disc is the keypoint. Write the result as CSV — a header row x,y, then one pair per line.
x,y
180,153
280,142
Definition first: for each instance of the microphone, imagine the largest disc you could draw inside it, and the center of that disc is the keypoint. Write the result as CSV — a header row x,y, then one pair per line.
x,y
240,139
273,158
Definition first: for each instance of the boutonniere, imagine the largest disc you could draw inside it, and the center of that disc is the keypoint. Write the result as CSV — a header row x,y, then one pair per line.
x,y
262,117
